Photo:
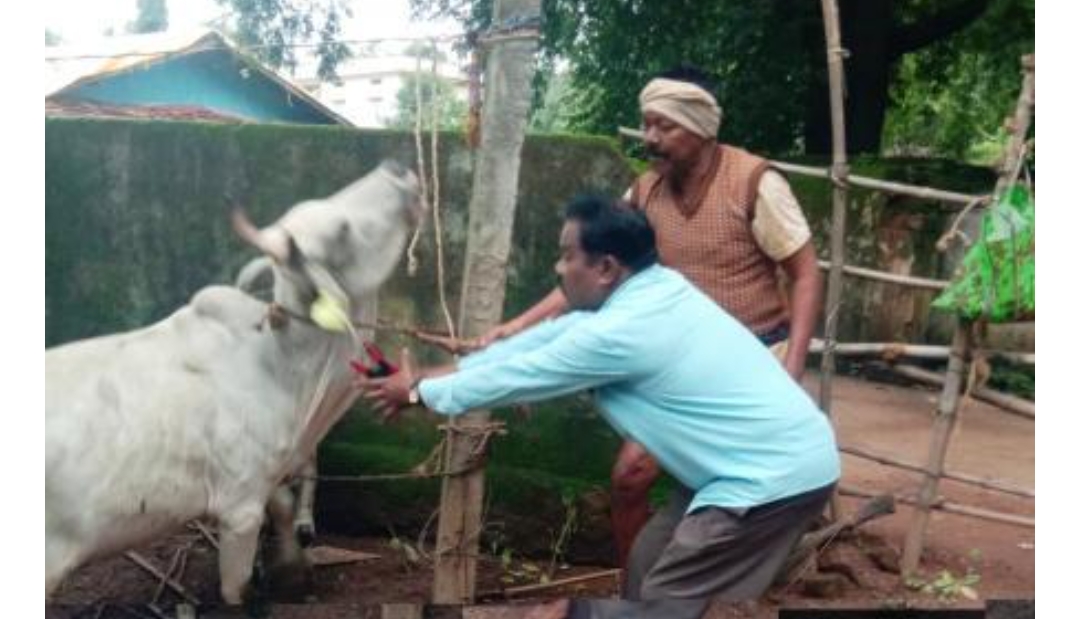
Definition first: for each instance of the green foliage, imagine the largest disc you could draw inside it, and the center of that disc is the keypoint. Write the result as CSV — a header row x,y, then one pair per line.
x,y
272,28
950,98
1013,378
556,107
438,97
946,587
768,60
153,17
613,47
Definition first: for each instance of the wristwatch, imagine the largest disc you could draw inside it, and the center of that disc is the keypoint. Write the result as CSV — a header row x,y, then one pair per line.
x,y
414,393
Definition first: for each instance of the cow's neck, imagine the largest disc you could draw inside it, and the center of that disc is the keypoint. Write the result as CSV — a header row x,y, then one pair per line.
x,y
315,362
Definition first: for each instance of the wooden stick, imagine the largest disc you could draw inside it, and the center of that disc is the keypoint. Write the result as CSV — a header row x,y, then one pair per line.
x,y
892,278
951,507
950,396
554,584
813,541
142,562
834,54
509,71
959,477
944,423
206,533
1004,401
921,351
951,198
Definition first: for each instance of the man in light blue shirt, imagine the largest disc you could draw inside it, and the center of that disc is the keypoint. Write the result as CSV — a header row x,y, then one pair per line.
x,y
674,372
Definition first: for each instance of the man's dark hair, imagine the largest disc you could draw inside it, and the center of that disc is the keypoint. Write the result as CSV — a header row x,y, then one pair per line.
x,y
693,75
610,227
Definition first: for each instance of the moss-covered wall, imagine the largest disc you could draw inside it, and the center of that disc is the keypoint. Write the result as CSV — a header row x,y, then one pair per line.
x,y
135,224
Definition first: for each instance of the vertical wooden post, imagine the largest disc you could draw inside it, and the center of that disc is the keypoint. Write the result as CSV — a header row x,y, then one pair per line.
x,y
1017,125
944,423
508,93
834,53
835,56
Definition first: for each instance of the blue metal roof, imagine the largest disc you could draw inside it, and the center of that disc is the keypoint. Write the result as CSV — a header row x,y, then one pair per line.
x,y
208,74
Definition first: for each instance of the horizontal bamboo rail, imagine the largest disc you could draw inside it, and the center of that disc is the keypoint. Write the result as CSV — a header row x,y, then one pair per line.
x,y
951,507
892,278
927,193
921,351
989,484
1004,401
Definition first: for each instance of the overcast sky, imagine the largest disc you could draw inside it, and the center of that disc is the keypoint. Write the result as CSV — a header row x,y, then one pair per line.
x,y
82,21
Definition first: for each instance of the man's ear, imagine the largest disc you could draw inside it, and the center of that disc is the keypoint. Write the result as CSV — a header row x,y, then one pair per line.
x,y
610,269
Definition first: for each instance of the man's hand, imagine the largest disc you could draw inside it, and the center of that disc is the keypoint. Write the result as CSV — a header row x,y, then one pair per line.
x,y
390,394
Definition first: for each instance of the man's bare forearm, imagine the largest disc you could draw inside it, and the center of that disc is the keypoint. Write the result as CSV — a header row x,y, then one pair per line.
x,y
551,305
806,295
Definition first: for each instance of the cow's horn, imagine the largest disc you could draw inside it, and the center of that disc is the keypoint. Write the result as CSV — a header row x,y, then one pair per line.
x,y
272,245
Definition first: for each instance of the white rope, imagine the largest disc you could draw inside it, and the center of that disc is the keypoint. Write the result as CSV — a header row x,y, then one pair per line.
x,y
413,263
435,215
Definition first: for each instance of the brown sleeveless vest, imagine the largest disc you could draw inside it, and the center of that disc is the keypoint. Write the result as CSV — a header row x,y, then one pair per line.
x,y
714,246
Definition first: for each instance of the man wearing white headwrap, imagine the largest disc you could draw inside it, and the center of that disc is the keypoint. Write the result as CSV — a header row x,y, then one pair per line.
x,y
683,103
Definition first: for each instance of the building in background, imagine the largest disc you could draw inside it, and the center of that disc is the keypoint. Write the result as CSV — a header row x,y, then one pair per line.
x,y
197,75
370,82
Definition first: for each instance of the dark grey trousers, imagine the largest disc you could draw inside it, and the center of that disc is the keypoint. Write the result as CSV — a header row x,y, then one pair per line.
x,y
681,561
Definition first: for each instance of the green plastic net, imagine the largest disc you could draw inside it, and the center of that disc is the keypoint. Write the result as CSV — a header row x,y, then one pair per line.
x,y
996,281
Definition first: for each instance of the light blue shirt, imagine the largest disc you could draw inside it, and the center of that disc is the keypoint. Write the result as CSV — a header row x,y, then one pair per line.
x,y
673,371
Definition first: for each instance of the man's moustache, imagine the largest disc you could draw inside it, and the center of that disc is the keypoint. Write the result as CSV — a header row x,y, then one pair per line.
x,y
655,154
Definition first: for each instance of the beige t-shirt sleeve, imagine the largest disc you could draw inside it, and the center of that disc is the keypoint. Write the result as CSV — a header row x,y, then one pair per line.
x,y
779,225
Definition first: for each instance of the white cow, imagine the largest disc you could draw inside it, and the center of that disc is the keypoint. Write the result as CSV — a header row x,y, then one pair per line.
x,y
206,412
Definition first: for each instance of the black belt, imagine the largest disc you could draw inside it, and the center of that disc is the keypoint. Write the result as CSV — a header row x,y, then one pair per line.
x,y
779,334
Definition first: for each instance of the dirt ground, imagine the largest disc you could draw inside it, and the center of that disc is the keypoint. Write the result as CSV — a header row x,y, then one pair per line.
x,y
857,570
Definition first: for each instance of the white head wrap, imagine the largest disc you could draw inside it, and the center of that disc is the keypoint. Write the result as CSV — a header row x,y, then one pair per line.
x,y
687,104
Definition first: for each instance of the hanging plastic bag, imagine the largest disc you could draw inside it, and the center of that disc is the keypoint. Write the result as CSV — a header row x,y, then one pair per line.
x,y
996,280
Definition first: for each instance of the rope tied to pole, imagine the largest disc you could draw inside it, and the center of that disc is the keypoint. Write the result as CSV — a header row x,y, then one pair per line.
x,y
433,465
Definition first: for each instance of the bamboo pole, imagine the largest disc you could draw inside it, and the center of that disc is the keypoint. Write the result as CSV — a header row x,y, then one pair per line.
x,y
964,478
917,351
891,278
1004,401
510,67
835,55
927,193
1018,126
951,508
944,424
555,584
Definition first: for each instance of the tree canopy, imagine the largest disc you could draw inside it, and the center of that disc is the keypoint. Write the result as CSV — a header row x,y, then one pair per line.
x,y
272,29
153,16
768,59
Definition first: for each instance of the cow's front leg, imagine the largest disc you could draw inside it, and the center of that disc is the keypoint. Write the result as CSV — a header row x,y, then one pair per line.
x,y
239,542
305,504
289,572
